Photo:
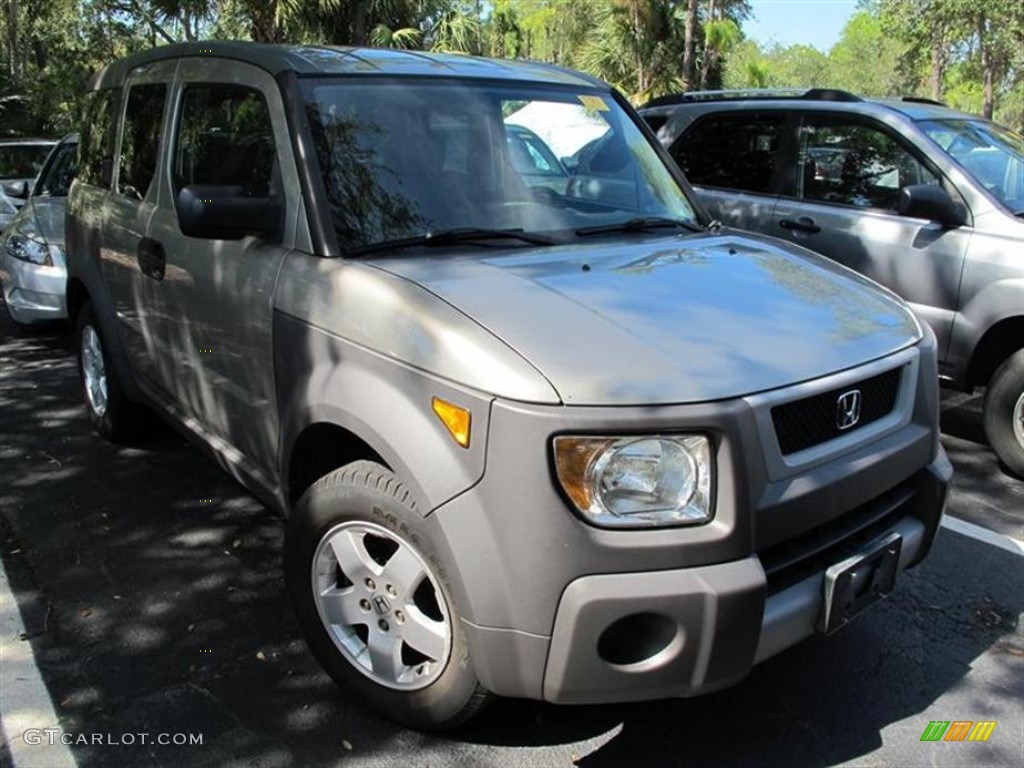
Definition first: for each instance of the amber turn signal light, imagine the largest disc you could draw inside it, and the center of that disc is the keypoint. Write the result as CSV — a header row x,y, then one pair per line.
x,y
456,419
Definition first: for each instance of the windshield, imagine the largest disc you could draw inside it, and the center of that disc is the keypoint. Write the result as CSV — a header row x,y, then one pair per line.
x,y
56,177
993,155
22,161
406,159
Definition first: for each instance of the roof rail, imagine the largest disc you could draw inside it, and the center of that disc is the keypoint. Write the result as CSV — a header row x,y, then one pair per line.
x,y
812,94
922,100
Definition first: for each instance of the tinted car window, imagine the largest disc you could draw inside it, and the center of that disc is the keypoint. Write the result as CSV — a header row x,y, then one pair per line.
x,y
731,151
140,139
856,164
22,161
655,121
57,175
96,143
224,138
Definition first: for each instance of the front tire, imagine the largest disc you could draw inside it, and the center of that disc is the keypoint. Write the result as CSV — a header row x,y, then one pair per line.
x,y
110,411
373,599
1004,412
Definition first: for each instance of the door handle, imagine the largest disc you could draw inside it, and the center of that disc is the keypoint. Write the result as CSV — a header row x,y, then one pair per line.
x,y
152,259
803,224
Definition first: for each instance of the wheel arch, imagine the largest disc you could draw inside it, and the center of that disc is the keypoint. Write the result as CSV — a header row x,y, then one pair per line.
x,y
77,295
319,449
338,402
1000,341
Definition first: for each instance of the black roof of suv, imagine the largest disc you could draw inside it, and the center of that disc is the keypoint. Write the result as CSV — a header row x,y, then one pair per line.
x,y
327,60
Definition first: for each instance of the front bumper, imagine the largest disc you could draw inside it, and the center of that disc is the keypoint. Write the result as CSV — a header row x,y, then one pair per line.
x,y
556,609
638,636
692,631
33,293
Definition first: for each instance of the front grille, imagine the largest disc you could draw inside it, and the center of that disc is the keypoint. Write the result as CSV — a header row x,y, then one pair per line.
x,y
805,423
813,551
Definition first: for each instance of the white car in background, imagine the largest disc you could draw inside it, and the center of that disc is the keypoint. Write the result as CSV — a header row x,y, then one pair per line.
x,y
20,163
33,272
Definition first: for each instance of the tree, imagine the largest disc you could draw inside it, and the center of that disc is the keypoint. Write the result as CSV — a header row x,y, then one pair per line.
x,y
690,43
866,61
982,40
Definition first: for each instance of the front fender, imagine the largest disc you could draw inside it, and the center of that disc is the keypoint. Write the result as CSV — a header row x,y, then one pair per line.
x,y
997,301
324,379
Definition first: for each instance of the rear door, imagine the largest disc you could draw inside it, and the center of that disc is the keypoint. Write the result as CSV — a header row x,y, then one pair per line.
x,y
841,201
732,159
216,296
129,207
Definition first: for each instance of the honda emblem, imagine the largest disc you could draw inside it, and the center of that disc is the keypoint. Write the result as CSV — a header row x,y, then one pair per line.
x,y
848,409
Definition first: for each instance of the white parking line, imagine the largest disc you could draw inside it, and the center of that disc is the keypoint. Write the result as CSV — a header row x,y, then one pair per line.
x,y
24,701
964,528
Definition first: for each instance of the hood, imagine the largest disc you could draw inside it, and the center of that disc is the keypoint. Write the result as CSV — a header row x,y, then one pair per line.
x,y
670,320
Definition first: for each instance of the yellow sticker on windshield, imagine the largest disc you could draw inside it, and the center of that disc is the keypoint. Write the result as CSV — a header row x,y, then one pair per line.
x,y
594,102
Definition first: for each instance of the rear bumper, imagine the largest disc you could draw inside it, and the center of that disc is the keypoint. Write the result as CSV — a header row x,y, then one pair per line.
x,y
635,636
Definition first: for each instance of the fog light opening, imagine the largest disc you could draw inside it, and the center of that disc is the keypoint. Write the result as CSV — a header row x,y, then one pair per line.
x,y
640,639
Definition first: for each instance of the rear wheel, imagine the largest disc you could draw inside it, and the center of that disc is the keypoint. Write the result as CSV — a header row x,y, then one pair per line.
x,y
1004,412
110,411
372,597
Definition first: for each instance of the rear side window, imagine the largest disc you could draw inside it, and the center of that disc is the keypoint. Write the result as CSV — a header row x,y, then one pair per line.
x,y
140,139
225,139
96,141
731,151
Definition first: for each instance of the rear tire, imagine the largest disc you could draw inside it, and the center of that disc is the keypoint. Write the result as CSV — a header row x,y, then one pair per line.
x,y
373,600
1004,413
110,411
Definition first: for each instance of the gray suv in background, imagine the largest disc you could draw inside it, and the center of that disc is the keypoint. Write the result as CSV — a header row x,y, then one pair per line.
x,y
917,196
555,440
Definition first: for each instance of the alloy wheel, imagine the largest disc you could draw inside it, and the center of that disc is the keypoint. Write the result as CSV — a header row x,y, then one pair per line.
x,y
381,605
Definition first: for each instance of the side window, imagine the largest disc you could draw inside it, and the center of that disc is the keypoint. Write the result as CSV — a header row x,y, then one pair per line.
x,y
96,141
225,139
56,178
655,122
140,139
530,155
731,151
856,164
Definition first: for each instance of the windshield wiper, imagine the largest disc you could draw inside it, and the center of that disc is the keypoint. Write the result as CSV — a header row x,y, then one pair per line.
x,y
454,236
640,224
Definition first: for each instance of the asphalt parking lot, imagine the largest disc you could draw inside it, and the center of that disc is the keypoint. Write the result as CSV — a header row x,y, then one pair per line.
x,y
151,599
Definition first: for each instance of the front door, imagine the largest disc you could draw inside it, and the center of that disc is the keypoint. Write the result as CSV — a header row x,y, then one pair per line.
x,y
216,296
843,204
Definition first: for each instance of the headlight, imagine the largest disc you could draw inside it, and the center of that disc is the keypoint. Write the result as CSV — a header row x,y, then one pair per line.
x,y
637,482
26,248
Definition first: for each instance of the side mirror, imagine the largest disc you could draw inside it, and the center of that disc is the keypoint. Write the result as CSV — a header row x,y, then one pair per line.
x,y
570,163
225,213
18,189
932,202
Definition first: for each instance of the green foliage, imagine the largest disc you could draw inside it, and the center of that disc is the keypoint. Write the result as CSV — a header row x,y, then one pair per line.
x,y
933,48
865,60
968,52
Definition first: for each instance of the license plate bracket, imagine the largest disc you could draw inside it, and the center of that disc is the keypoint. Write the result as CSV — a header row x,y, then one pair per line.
x,y
858,581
